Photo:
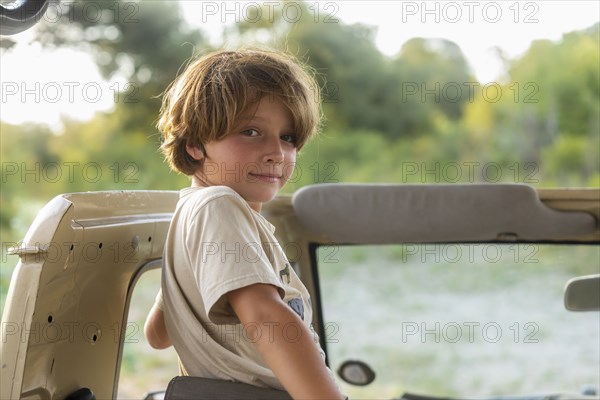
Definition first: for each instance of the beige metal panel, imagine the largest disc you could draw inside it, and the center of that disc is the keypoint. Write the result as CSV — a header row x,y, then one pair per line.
x,y
20,307
68,297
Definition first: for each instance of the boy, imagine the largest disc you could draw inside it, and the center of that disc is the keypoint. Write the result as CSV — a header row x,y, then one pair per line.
x,y
233,122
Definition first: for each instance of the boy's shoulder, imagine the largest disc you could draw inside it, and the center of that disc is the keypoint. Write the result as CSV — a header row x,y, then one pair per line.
x,y
219,203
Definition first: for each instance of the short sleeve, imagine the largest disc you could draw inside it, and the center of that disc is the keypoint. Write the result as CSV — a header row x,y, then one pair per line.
x,y
228,253
158,302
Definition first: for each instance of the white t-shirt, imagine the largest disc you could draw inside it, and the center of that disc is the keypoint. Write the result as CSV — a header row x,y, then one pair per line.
x,y
217,243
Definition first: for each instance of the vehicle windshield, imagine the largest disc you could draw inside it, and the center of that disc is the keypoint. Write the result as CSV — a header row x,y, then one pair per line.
x,y
459,320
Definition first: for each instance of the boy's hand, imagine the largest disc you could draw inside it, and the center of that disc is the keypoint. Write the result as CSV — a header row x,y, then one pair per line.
x,y
296,360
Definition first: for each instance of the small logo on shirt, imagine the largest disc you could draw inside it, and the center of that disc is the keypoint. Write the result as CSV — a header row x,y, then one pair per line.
x,y
298,306
285,272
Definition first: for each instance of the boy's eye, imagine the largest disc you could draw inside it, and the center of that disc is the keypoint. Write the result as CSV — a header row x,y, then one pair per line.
x,y
289,138
250,132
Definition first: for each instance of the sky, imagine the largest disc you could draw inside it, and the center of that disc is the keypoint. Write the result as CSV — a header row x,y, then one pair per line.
x,y
40,85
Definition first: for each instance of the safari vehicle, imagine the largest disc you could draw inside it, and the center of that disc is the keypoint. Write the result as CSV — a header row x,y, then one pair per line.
x,y
379,261
84,253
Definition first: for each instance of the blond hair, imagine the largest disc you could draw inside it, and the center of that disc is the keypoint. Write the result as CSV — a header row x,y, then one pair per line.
x,y
204,103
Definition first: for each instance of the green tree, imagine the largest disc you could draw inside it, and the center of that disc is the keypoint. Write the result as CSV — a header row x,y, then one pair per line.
x,y
365,90
438,67
145,43
550,113
567,76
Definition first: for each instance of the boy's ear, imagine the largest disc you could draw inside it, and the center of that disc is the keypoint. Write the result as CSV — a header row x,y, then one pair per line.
x,y
194,151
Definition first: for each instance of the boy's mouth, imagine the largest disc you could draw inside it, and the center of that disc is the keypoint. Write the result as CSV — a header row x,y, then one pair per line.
x,y
265,177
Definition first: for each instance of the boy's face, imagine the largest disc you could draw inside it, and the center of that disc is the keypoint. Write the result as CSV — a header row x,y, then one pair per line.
x,y
257,158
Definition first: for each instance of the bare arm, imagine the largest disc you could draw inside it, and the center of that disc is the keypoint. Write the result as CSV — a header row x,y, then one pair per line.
x,y
155,329
284,341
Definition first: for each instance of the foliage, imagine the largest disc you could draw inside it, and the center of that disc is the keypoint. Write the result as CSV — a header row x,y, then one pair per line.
x,y
388,119
363,88
142,41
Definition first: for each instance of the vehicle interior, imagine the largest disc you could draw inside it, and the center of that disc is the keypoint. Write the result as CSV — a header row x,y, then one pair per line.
x,y
63,327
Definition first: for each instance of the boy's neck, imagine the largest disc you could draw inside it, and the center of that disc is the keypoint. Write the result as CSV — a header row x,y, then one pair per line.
x,y
196,183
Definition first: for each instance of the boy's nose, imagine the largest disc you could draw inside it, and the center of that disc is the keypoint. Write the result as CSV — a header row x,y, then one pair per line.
x,y
274,157
274,153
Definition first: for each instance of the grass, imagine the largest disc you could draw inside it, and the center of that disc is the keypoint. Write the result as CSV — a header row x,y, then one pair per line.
x,y
490,322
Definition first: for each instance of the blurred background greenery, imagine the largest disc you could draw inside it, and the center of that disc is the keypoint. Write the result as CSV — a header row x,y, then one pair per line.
x,y
537,124
417,116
